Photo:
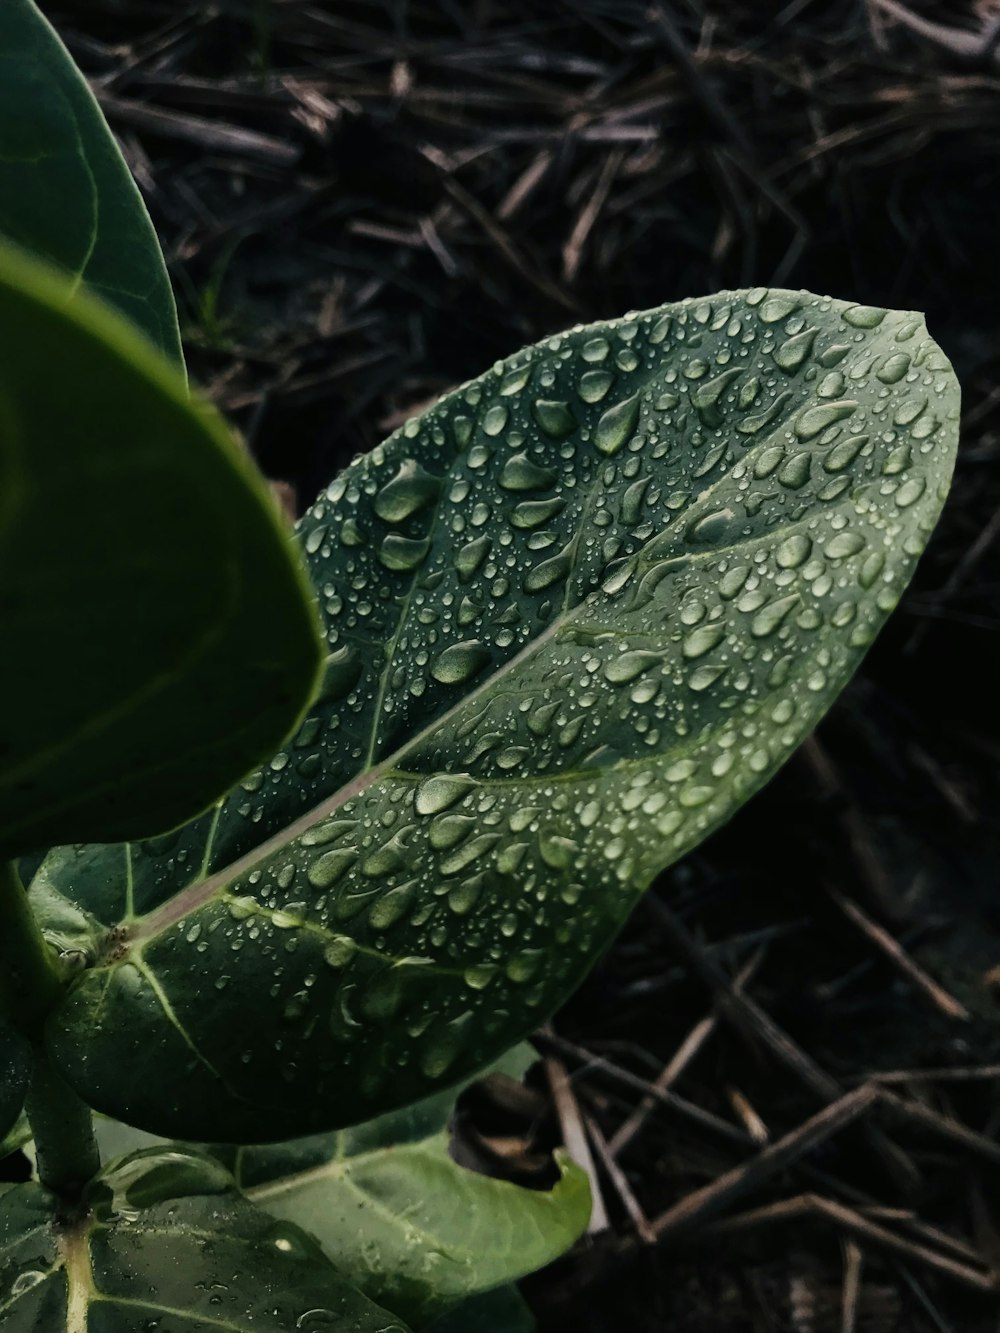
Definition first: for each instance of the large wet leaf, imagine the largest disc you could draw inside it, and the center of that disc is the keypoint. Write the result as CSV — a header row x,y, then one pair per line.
x,y
577,613
15,1069
146,1258
157,627
403,1221
65,191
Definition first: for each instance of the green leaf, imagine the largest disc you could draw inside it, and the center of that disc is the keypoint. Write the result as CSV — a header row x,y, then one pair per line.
x,y
158,628
403,1221
15,1070
501,1311
65,191
577,613
145,1257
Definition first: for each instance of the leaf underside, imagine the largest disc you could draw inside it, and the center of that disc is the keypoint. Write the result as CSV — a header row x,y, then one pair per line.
x,y
195,1264
577,613
158,632
65,191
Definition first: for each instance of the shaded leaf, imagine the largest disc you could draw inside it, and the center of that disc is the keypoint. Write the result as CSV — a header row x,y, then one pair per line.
x,y
577,613
164,628
403,1221
501,1311
187,1264
65,191
15,1071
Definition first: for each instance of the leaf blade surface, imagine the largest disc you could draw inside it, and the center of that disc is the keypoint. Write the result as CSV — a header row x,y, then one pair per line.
x,y
576,613
65,191
161,630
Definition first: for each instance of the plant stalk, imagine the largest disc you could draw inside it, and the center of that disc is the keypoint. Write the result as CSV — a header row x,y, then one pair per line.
x,y
29,980
30,984
63,1130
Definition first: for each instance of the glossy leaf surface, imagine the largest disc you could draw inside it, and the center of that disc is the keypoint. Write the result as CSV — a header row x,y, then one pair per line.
x,y
403,1221
577,613
65,191
15,1070
145,1258
157,626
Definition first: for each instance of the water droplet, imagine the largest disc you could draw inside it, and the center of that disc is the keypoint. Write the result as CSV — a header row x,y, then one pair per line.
x,y
521,474
594,385
770,617
533,513
470,556
557,852
495,419
555,418
864,316
341,672
392,906
339,951
709,393
751,425
705,676
617,425
447,830
631,507
778,307
328,868
844,544
440,793
795,472
817,418
789,355
460,662
548,572
703,640
408,492
910,491
621,670
402,553
712,527
843,454
893,368
793,551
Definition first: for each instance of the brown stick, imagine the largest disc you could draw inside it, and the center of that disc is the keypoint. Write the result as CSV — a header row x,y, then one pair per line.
x,y
708,1202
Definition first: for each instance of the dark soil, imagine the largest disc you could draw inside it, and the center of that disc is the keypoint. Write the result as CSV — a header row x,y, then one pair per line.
x,y
368,201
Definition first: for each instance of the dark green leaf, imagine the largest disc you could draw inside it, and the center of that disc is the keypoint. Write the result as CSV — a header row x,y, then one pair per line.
x,y
65,191
403,1221
577,613
500,1311
157,627
148,1258
15,1070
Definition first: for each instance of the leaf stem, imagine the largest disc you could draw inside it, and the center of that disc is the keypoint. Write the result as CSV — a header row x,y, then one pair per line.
x,y
63,1129
29,979
30,984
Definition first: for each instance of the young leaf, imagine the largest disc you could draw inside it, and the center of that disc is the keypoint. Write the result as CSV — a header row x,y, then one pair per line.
x,y
403,1221
396,1214
65,191
15,1070
158,631
577,613
146,1257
